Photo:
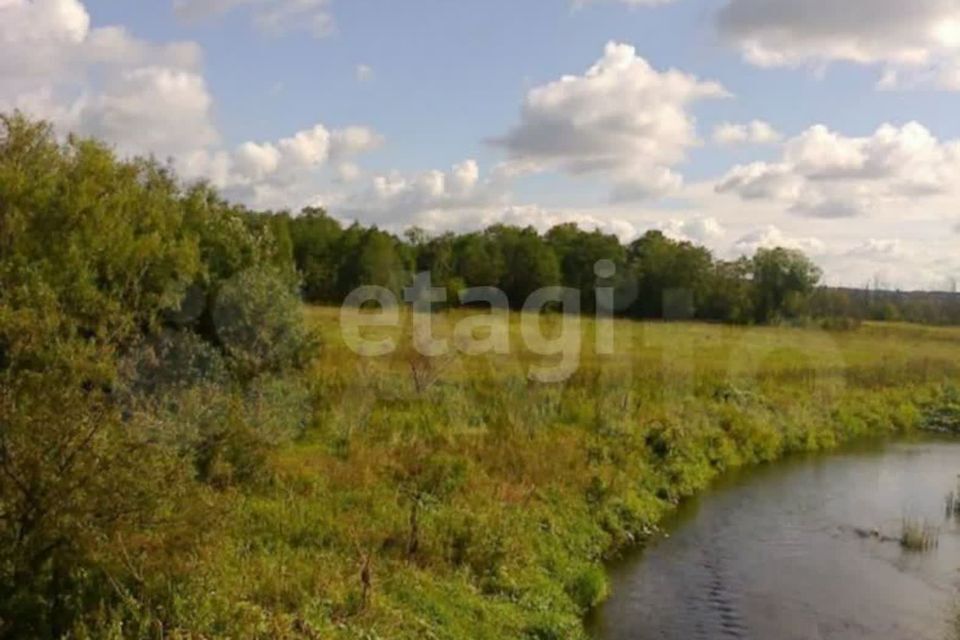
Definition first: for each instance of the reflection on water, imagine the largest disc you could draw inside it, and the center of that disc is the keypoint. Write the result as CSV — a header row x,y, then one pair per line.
x,y
779,553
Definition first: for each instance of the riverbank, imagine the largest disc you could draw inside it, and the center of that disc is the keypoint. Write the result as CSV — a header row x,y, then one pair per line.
x,y
454,498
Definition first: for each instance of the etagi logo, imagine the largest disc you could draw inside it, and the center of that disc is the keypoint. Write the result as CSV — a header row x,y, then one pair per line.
x,y
551,328
485,333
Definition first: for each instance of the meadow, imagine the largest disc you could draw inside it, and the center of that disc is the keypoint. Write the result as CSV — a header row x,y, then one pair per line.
x,y
454,498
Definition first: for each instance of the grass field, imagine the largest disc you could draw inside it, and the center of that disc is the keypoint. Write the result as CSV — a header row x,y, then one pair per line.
x,y
453,497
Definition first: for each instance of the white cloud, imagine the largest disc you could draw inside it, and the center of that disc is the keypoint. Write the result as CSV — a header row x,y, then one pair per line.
x,y
543,219
894,263
52,41
142,96
54,22
771,236
115,45
875,249
762,181
755,132
826,174
622,120
152,109
307,148
353,141
697,230
850,250
913,41
257,161
271,16
432,199
348,172
151,98
286,173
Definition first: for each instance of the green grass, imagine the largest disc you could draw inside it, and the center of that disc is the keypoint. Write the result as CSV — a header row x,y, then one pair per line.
x,y
522,490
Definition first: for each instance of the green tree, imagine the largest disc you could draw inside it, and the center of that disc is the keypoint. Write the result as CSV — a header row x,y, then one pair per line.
x,y
373,257
528,262
783,280
479,259
109,238
438,257
729,293
578,252
317,251
661,267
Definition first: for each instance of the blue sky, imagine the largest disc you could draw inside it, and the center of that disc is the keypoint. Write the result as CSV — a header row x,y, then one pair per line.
x,y
451,74
415,140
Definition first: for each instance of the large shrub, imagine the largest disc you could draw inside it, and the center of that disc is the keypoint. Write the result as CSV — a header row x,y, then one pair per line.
x,y
118,389
259,322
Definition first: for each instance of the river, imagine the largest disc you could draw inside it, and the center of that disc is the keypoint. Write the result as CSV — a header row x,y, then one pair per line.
x,y
779,553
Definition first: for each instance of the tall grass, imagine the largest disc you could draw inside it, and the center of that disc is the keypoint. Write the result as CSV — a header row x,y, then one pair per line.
x,y
456,498
919,535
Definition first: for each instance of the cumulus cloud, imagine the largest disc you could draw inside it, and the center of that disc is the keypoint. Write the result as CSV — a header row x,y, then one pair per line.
x,y
353,141
916,41
432,199
284,173
161,110
256,161
762,181
697,230
622,120
755,132
543,219
826,174
271,16
45,41
771,236
143,96
37,36
307,148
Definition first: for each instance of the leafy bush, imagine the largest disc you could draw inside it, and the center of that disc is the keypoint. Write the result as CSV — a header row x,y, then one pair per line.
x,y
259,322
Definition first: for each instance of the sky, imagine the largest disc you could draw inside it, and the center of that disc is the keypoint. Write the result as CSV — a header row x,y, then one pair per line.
x,y
820,125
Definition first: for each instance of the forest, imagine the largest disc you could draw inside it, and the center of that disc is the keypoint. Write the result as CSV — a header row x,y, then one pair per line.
x,y
186,451
656,277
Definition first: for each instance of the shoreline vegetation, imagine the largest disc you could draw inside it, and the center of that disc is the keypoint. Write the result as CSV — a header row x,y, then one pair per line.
x,y
187,451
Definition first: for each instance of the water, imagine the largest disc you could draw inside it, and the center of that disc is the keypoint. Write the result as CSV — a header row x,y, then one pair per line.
x,y
777,553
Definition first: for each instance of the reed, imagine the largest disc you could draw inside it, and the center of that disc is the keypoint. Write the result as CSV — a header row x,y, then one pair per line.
x,y
919,535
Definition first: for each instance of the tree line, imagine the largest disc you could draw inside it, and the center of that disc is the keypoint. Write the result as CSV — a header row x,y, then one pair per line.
x,y
653,277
